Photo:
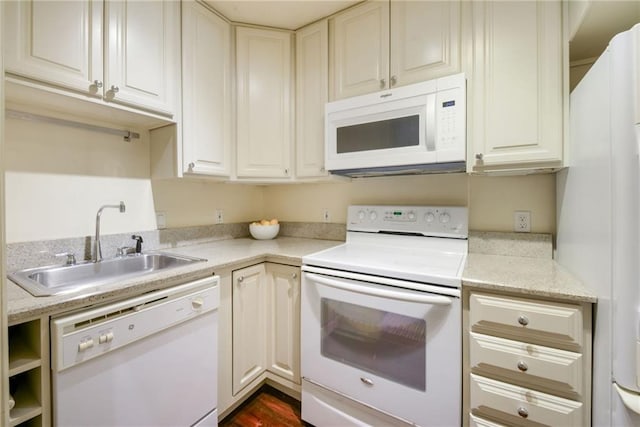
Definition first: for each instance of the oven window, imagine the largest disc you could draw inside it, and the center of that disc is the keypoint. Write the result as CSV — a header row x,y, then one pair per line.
x,y
389,345
391,133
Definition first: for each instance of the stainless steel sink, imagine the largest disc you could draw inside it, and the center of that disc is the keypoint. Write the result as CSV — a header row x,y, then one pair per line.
x,y
56,280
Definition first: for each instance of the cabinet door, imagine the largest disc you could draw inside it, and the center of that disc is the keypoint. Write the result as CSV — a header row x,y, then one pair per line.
x,y
425,40
142,43
360,50
206,86
59,43
312,79
264,103
283,355
249,325
516,83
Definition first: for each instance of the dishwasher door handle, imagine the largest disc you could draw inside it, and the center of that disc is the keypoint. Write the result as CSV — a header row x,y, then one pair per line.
x,y
414,296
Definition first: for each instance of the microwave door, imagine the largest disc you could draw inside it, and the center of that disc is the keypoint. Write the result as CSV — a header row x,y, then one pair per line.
x,y
364,138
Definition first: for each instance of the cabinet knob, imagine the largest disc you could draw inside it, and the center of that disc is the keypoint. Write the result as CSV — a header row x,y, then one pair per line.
x,y
97,83
393,80
294,276
240,279
522,366
523,412
479,156
286,171
523,320
114,89
383,83
192,165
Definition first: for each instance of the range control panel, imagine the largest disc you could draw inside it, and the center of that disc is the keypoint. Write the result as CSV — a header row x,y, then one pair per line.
x,y
437,221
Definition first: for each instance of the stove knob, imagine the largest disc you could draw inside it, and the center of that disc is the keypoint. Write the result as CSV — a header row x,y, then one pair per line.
x,y
373,215
445,218
411,215
361,215
429,217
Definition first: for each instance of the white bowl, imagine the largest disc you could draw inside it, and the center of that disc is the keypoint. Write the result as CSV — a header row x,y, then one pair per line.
x,y
264,232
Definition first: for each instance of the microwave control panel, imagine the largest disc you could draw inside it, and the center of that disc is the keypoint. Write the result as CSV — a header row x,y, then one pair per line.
x,y
450,118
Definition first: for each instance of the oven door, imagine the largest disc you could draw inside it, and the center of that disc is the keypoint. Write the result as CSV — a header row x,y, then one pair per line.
x,y
393,349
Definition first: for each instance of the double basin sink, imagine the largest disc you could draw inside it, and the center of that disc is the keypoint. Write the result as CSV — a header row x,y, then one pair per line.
x,y
65,279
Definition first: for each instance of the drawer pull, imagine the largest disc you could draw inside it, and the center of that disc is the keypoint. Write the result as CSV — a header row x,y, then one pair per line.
x,y
522,366
367,381
523,412
523,320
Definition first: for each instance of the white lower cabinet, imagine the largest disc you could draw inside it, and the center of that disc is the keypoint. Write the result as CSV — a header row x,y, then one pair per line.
x,y
249,325
283,344
28,364
260,321
529,361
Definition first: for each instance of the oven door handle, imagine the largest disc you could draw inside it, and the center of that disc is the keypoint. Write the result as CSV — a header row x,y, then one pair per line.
x,y
385,293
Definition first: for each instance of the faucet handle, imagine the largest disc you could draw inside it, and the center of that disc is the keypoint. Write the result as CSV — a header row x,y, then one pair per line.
x,y
71,257
125,250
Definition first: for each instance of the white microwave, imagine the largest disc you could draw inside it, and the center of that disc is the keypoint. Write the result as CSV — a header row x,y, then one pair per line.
x,y
419,128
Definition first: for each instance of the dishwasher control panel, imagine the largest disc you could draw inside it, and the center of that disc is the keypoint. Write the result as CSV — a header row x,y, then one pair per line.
x,y
88,334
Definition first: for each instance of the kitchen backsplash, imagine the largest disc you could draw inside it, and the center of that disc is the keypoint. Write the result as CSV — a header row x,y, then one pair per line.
x,y
40,253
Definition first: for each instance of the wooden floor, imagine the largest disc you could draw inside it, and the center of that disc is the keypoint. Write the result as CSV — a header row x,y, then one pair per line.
x,y
268,407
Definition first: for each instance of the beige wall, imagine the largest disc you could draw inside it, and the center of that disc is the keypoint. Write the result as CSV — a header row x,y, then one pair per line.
x,y
57,178
491,200
187,202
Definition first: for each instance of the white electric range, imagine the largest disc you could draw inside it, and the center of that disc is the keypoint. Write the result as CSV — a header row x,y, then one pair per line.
x,y
381,320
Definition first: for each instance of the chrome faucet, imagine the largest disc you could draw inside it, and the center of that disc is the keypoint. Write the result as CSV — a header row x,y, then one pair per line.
x,y
97,249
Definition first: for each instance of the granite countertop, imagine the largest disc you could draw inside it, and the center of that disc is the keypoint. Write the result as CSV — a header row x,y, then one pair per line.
x,y
525,275
220,254
517,274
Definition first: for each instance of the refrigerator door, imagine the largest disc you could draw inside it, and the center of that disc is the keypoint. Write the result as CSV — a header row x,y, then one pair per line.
x,y
625,223
584,216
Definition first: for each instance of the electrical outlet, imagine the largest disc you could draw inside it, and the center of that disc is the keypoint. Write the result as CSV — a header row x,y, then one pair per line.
x,y
219,216
161,220
522,221
325,215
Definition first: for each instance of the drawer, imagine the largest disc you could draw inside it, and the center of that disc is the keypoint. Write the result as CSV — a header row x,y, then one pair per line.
x,y
547,323
546,369
481,422
514,405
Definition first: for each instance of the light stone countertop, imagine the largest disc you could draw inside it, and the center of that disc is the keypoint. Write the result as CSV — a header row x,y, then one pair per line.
x,y
220,254
541,277
528,276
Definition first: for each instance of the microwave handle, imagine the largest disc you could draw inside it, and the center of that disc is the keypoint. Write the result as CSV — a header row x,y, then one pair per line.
x,y
367,290
431,122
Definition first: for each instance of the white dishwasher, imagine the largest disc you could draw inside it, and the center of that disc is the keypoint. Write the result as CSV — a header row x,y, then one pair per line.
x,y
147,361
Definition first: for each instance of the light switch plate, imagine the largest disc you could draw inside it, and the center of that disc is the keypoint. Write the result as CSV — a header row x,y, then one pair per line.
x,y
161,220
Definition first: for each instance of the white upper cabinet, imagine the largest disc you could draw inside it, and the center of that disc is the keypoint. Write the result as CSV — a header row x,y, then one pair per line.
x,y
425,40
515,85
312,69
264,116
206,91
382,44
61,44
360,50
142,43
55,42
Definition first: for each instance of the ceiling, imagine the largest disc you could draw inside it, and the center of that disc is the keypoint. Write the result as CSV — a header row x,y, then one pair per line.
x,y
288,14
601,21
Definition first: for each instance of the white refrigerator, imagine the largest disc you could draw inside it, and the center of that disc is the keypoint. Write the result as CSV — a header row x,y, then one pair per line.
x,y
598,220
